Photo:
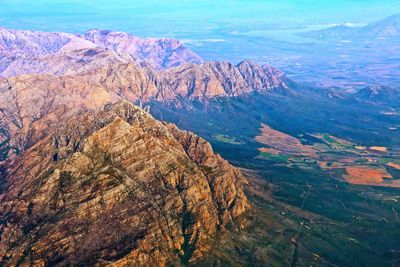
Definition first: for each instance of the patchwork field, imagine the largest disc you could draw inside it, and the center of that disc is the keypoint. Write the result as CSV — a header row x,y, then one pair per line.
x,y
360,164
227,139
379,148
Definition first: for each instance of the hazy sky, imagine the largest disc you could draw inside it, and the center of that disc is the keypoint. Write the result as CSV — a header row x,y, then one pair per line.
x,y
177,18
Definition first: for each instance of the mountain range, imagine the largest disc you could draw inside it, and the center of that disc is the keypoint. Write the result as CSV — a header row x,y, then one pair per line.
x,y
24,51
388,28
91,77
31,102
107,182
382,95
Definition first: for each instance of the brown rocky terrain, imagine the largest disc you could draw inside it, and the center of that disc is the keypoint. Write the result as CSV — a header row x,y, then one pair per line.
x,y
116,187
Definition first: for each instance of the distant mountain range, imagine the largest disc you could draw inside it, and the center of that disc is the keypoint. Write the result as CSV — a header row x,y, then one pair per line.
x,y
20,51
386,28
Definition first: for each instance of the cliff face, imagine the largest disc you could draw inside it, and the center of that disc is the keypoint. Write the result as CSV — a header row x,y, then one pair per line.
x,y
116,187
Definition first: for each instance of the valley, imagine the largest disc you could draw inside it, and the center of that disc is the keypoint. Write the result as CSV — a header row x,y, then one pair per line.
x,y
328,184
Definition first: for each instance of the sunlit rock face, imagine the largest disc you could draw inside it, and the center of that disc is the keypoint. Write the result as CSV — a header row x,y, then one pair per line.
x,y
115,186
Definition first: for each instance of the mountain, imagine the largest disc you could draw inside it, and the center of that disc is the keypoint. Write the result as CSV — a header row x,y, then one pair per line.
x,y
216,79
20,51
115,186
107,183
101,66
388,28
94,158
98,53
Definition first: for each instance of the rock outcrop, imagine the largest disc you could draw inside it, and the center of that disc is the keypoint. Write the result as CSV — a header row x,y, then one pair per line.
x,y
116,187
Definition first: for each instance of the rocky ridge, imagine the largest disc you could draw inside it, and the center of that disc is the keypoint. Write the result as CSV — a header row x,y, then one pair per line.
x,y
377,94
